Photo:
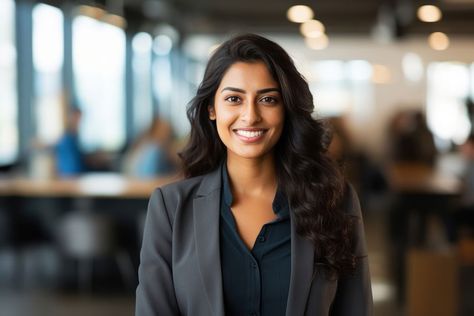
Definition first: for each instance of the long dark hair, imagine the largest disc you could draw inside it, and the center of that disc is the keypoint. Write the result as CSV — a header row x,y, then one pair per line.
x,y
314,185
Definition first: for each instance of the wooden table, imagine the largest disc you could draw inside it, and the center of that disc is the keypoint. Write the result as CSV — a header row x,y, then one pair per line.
x,y
94,185
413,178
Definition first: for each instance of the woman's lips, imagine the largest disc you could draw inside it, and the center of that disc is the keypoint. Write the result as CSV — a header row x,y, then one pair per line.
x,y
250,135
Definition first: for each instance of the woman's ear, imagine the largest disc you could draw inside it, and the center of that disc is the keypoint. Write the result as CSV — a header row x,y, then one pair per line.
x,y
212,113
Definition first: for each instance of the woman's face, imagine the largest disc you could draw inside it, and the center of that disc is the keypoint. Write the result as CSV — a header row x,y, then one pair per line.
x,y
248,110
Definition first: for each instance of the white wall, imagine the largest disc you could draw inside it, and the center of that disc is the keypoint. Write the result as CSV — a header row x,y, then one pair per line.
x,y
390,97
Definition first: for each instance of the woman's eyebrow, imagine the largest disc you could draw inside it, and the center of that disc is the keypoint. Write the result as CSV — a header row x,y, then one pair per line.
x,y
233,89
268,90
265,90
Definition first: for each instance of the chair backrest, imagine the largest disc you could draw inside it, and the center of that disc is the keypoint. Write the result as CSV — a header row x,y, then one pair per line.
x,y
83,234
5,237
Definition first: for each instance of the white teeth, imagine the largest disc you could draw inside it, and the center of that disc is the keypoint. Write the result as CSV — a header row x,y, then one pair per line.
x,y
249,134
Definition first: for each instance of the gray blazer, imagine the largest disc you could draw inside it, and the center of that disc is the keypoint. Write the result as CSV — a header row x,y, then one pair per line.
x,y
180,271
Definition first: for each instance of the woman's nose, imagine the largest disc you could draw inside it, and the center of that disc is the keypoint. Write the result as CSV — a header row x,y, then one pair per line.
x,y
251,113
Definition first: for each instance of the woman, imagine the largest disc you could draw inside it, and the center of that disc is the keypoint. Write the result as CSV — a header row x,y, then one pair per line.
x,y
264,223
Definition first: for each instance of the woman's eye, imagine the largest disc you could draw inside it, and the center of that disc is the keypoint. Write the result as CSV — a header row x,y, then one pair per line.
x,y
268,100
233,99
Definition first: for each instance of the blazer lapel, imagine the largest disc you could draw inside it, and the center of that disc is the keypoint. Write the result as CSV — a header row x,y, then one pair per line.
x,y
302,257
206,208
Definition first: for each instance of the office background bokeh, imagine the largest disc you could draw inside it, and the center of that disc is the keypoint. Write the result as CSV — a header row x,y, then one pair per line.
x,y
398,94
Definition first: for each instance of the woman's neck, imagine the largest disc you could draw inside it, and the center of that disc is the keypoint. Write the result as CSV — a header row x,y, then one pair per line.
x,y
252,177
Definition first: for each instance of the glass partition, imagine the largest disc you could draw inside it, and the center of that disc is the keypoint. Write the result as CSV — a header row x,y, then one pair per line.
x,y
48,56
99,77
142,93
448,89
9,134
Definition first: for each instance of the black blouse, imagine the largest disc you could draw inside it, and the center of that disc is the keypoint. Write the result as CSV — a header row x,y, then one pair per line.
x,y
256,281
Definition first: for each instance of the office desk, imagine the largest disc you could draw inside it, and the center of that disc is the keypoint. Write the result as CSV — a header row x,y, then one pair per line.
x,y
33,205
419,193
97,185
413,178
32,209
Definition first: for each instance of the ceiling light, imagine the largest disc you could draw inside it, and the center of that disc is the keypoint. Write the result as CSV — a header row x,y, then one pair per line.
x,y
312,28
317,43
438,41
429,13
299,13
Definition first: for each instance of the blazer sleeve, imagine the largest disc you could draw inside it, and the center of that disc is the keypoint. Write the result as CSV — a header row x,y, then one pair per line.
x,y
155,292
354,293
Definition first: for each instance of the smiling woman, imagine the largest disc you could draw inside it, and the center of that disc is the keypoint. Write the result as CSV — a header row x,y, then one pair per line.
x,y
248,111
264,224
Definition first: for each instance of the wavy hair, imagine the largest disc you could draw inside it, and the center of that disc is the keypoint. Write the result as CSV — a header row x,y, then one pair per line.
x,y
312,182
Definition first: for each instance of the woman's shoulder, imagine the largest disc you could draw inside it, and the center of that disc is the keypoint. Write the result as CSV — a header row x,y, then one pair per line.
x,y
182,187
351,204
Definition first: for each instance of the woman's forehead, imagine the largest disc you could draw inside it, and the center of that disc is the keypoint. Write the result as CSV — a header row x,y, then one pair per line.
x,y
248,74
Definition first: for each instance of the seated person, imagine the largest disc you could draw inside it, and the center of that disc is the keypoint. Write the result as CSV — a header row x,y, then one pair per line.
x,y
150,155
69,158
464,214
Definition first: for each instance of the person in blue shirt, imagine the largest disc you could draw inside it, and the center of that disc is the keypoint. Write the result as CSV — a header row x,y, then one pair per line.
x,y
68,154
150,155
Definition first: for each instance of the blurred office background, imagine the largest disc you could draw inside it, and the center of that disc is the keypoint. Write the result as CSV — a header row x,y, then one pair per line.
x,y
92,113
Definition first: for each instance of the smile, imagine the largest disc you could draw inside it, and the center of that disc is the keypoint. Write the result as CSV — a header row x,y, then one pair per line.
x,y
250,135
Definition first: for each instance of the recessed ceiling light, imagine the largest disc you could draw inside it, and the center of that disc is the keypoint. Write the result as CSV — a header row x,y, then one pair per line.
x,y
299,13
438,41
312,28
429,13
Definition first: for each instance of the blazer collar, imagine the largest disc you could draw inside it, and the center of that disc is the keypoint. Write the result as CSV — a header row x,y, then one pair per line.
x,y
210,182
302,261
206,207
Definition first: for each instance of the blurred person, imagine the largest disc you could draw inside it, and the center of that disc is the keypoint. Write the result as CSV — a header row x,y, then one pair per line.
x,y
150,154
366,176
462,221
410,140
467,151
70,160
264,223
340,148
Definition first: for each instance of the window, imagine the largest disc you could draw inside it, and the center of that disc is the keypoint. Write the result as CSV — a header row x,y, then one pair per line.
x,y
48,62
142,94
448,89
9,138
99,76
342,87
162,74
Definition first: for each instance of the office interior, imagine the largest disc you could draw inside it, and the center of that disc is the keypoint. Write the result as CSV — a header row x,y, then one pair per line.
x,y
394,79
